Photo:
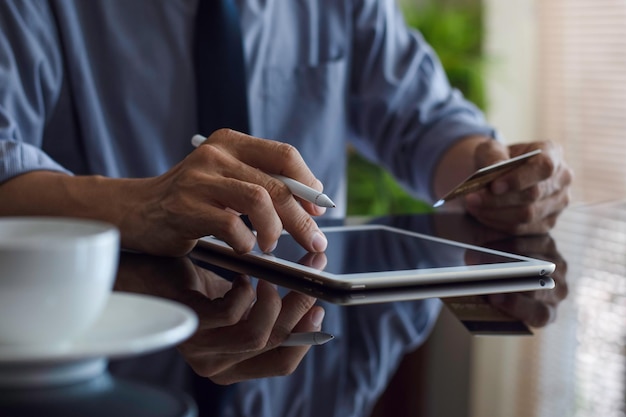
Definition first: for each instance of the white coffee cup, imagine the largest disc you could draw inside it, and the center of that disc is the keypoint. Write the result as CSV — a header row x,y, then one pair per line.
x,y
55,278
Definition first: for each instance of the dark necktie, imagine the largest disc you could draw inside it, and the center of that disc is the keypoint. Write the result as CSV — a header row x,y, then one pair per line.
x,y
220,68
222,102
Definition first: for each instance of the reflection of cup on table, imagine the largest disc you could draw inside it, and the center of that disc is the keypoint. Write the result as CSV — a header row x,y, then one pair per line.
x,y
55,278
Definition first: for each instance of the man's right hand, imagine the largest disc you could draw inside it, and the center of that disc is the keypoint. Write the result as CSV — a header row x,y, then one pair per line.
x,y
240,327
202,195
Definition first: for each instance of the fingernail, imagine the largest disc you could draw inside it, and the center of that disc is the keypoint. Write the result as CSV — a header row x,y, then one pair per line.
x,y
272,247
319,242
318,317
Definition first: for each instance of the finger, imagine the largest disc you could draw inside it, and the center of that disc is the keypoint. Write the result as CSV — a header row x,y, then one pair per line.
x,y
489,153
531,194
227,227
554,185
271,157
239,187
229,309
195,202
260,196
208,283
295,306
524,219
267,155
539,247
275,362
264,335
317,260
219,312
549,163
289,212
295,219
246,336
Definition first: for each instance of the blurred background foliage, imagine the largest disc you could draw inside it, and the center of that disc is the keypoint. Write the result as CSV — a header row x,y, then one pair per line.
x,y
454,29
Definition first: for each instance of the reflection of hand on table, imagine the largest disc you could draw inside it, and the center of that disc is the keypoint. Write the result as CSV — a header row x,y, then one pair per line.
x,y
316,260
535,308
240,329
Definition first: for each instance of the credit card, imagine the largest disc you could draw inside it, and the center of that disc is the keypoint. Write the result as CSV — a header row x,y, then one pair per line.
x,y
482,319
484,176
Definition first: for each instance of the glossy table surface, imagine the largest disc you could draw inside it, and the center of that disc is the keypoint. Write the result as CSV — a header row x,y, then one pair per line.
x,y
415,357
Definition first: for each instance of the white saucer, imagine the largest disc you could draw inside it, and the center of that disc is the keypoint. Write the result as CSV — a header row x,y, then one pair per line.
x,y
131,324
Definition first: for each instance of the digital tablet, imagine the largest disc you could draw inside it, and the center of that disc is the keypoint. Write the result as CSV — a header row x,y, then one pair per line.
x,y
376,256
228,268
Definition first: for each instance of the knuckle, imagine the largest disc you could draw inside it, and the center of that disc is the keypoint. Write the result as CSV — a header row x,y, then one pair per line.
x,y
547,166
222,133
278,191
228,225
285,368
208,152
276,338
303,223
205,369
287,151
227,314
258,196
255,340
302,303
244,247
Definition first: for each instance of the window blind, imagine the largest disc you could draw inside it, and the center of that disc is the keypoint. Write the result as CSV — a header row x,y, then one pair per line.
x,y
582,91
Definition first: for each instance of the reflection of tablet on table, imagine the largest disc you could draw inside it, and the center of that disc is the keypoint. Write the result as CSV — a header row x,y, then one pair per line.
x,y
228,268
375,256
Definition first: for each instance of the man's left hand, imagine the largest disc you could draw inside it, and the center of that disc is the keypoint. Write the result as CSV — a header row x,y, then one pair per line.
x,y
528,199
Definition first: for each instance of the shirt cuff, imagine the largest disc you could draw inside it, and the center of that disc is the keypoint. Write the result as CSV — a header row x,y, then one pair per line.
x,y
441,137
18,158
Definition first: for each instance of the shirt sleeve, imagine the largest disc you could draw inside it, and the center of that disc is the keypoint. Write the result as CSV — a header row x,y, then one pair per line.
x,y
403,110
30,80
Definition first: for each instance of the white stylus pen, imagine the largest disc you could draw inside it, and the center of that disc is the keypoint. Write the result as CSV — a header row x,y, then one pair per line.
x,y
307,338
297,188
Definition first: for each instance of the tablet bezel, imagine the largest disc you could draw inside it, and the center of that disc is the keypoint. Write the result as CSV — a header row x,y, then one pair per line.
x,y
228,268
525,267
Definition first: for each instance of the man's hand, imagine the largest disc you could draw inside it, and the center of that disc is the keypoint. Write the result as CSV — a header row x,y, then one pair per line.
x,y
535,308
202,195
240,328
526,200
227,175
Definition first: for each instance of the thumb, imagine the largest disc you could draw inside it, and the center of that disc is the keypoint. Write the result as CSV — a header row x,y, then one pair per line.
x,y
490,152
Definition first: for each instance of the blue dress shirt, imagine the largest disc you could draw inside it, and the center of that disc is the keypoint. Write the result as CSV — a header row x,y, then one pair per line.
x,y
108,87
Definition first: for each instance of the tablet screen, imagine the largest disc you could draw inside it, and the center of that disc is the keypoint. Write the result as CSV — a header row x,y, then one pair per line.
x,y
377,250
378,256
